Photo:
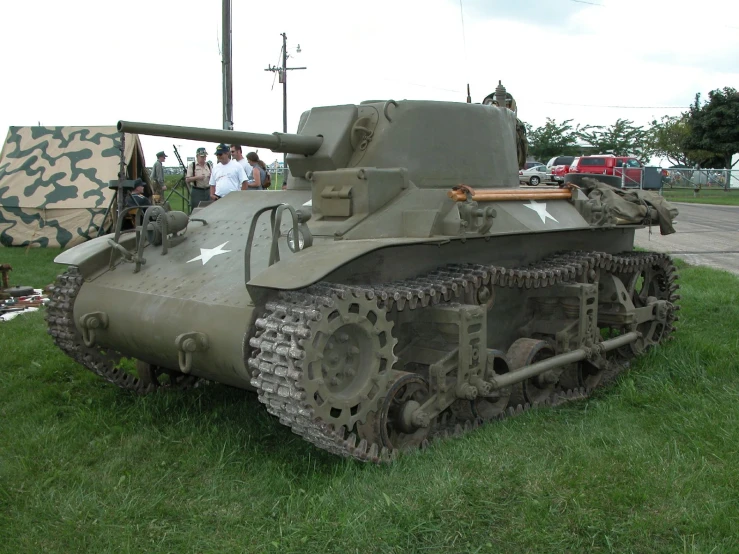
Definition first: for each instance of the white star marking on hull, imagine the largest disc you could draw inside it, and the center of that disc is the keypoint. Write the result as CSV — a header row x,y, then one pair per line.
x,y
541,210
207,253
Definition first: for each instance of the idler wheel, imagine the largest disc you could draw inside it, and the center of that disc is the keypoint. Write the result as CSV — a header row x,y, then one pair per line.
x,y
348,361
525,352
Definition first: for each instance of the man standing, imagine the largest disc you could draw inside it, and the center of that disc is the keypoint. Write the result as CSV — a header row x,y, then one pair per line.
x,y
198,176
238,155
227,176
157,176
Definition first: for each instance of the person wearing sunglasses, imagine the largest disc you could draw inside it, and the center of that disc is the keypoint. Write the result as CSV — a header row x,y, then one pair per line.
x,y
228,175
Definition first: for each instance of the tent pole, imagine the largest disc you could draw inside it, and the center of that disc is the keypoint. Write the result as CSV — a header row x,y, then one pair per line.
x,y
101,229
121,175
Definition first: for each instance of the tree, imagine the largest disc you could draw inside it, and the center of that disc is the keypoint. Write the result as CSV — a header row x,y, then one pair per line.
x,y
714,126
553,139
669,139
622,139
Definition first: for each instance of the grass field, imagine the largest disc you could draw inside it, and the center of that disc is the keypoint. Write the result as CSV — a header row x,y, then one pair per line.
x,y
707,195
649,464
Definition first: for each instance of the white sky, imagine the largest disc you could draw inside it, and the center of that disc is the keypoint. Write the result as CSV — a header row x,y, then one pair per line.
x,y
93,62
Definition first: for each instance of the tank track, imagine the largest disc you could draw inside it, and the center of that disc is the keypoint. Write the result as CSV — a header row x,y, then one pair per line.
x,y
278,345
101,361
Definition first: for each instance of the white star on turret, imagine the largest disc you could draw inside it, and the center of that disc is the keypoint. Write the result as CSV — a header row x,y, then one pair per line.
x,y
541,210
207,253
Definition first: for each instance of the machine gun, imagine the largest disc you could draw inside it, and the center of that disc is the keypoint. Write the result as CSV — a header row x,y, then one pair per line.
x,y
181,189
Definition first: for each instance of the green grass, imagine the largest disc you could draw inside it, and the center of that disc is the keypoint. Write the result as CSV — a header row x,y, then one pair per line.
x,y
707,195
32,267
649,464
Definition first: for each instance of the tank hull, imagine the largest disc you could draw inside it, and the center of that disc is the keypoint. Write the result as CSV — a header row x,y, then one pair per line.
x,y
148,313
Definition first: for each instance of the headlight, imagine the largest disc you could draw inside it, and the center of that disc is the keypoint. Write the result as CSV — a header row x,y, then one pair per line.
x,y
291,240
305,239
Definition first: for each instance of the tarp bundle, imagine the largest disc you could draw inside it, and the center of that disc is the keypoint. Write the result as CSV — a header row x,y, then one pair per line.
x,y
632,206
54,182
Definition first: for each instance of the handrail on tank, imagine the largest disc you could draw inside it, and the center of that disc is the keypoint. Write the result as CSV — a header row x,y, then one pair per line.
x,y
276,222
277,142
115,241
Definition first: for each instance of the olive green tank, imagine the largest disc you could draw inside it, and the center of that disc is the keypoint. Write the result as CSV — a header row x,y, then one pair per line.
x,y
401,290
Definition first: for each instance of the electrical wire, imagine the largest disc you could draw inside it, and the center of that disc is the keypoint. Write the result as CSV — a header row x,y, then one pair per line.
x,y
274,73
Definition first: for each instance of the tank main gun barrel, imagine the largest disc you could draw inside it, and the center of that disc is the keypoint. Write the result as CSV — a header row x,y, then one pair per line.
x,y
277,142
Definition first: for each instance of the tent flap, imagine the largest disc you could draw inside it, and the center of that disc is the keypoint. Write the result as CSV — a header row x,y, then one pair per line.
x,y
56,227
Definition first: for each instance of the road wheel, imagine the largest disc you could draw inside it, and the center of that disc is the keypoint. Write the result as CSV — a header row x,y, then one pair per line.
x,y
525,352
534,181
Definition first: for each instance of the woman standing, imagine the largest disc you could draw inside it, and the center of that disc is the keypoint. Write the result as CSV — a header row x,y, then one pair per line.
x,y
259,171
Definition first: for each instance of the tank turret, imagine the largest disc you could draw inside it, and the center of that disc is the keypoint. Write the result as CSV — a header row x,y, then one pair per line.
x,y
437,144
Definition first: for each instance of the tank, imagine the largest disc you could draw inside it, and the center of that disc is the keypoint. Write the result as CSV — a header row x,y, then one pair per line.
x,y
403,288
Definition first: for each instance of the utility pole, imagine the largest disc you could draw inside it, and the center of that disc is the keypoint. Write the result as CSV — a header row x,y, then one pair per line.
x,y
282,72
228,108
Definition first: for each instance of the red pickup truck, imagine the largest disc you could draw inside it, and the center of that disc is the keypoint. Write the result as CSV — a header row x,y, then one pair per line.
x,y
608,164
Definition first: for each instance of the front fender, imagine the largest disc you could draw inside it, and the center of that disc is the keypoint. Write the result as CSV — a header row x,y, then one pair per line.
x,y
314,263
94,255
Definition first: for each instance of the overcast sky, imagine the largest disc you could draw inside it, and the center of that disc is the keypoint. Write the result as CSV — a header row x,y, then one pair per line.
x,y
93,62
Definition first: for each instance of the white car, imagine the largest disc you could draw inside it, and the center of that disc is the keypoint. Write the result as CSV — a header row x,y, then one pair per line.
x,y
534,175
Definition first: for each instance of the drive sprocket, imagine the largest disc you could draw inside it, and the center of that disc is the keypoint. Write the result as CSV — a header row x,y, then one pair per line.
x,y
348,361
333,349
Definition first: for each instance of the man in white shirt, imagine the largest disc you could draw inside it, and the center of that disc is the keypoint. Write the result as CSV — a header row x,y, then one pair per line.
x,y
227,176
238,155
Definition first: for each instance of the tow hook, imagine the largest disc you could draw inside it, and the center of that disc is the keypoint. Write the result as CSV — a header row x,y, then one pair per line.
x,y
187,343
90,322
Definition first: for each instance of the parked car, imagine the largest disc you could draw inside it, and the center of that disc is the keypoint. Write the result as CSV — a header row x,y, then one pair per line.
x,y
558,167
559,172
608,164
559,160
534,175
532,163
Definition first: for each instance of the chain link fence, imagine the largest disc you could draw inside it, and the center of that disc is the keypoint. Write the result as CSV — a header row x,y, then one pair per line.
x,y
696,180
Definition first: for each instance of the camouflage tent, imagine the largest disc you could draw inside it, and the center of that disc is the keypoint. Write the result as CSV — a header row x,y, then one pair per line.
x,y
54,183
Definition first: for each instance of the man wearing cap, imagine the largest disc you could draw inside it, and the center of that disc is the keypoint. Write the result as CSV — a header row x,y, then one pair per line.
x,y
198,177
227,176
157,175
137,198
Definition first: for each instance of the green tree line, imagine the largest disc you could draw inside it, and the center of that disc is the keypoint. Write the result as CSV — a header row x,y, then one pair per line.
x,y
706,135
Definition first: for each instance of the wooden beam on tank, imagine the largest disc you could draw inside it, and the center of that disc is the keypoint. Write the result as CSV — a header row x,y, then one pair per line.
x,y
461,193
